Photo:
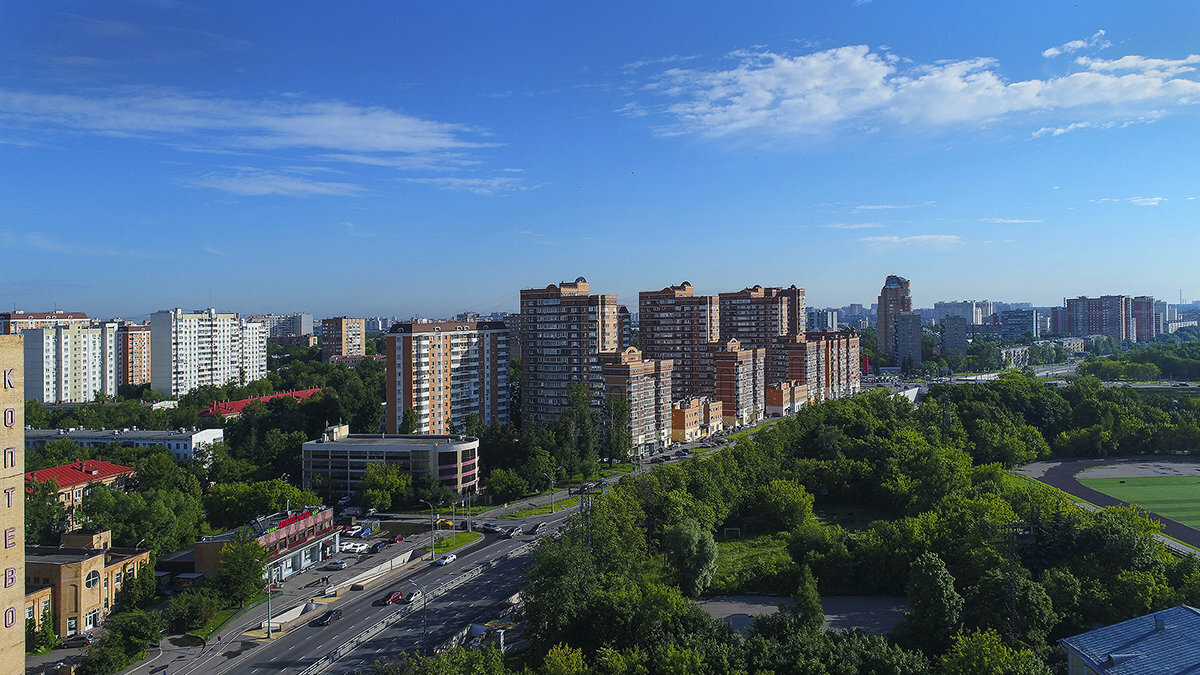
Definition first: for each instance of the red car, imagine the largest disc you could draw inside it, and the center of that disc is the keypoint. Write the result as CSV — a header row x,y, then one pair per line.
x,y
398,538
394,598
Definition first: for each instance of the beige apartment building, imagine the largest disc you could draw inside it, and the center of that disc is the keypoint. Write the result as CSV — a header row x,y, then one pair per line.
x,y
343,336
894,298
646,385
694,418
677,324
564,330
740,382
756,316
445,371
12,505
14,323
70,363
204,347
836,363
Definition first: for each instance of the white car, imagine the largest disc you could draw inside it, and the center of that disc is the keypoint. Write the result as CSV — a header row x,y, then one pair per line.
x,y
354,547
446,559
490,527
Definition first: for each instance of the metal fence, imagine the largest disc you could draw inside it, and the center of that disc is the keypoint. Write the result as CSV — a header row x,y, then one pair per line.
x,y
322,664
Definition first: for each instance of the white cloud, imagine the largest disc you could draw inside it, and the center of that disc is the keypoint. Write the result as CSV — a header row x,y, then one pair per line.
x,y
884,207
1096,41
284,123
1147,201
499,185
853,226
779,94
255,182
934,241
1010,221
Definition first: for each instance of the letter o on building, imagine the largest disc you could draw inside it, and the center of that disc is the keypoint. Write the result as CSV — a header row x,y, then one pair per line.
x,y
10,417
10,617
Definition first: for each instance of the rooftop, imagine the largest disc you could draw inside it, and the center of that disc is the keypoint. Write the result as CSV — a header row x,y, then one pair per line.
x,y
79,473
227,408
118,435
264,524
1162,642
54,555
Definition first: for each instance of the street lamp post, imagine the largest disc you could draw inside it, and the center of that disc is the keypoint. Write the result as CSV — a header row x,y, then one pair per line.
x,y
432,539
551,476
270,583
424,612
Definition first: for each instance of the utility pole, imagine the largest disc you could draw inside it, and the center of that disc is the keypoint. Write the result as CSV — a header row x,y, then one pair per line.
x,y
432,536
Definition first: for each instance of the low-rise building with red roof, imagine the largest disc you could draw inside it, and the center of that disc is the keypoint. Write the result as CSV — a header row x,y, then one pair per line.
x,y
234,408
75,481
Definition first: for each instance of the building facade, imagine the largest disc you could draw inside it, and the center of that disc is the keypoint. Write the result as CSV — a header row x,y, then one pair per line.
x,y
1107,315
968,310
75,481
908,339
294,541
894,298
833,361
341,458
12,505
679,325
205,347
343,336
740,382
1016,324
952,334
694,418
646,385
183,444
446,371
70,363
14,323
756,316
786,398
133,355
85,577
563,332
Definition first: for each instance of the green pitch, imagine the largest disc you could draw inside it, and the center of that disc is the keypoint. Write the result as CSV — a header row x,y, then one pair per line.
x,y
1174,497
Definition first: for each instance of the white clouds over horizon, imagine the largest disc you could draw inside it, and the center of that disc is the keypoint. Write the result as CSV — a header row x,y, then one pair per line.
x,y
779,94
1096,41
933,241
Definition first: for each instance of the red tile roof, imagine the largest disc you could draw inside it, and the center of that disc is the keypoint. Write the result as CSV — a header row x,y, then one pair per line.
x,y
79,473
227,408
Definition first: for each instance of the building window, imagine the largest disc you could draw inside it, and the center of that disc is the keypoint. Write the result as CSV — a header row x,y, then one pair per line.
x,y
92,579
29,612
72,626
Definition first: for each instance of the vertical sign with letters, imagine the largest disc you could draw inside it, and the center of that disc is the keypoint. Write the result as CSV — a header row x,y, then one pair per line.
x,y
12,504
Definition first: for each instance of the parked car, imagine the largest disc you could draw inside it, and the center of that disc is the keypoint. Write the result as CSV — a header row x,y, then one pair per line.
x,y
359,548
398,538
413,596
394,598
80,640
380,545
490,527
336,565
362,533
513,531
681,453
446,559
329,617
352,531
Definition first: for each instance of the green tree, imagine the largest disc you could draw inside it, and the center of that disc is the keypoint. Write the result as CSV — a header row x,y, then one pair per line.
x,y
563,659
242,568
982,652
936,606
505,485
807,601
410,421
126,638
193,609
139,589
692,551
43,512
785,504
383,485
618,440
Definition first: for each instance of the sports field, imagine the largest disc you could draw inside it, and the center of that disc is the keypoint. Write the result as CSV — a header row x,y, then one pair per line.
x,y
1174,497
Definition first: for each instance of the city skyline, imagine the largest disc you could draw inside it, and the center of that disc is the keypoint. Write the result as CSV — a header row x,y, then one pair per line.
x,y
430,160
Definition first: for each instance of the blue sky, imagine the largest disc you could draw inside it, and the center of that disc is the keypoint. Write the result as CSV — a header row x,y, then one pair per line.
x,y
430,158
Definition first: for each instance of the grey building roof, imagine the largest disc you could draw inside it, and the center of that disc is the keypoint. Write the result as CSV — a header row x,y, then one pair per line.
x,y
1161,643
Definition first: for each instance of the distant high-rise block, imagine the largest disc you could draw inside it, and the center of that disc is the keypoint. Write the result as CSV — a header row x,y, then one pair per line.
x,y
133,355
908,339
1147,323
204,347
1107,315
740,383
894,298
756,316
967,309
563,331
13,323
953,336
676,324
70,363
833,360
445,371
1015,324
343,336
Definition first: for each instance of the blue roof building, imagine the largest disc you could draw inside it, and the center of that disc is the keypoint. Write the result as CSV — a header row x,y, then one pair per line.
x,y
1161,643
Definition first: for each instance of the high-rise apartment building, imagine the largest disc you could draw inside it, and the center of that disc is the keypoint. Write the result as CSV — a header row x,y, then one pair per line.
x,y
1015,324
13,323
204,347
967,309
740,383
833,357
12,506
908,339
756,316
646,385
822,319
133,354
677,324
445,371
343,336
1107,315
894,298
70,363
1147,322
563,331
953,337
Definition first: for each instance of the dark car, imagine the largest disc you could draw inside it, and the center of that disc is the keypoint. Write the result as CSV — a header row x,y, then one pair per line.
x,y
329,617
379,546
681,453
80,640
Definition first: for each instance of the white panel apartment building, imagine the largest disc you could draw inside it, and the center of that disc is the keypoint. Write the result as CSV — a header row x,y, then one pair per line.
x,y
70,363
204,347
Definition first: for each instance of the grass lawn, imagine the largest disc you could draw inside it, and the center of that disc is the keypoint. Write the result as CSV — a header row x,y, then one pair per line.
x,y
849,517
754,564
544,509
456,540
1174,497
224,615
